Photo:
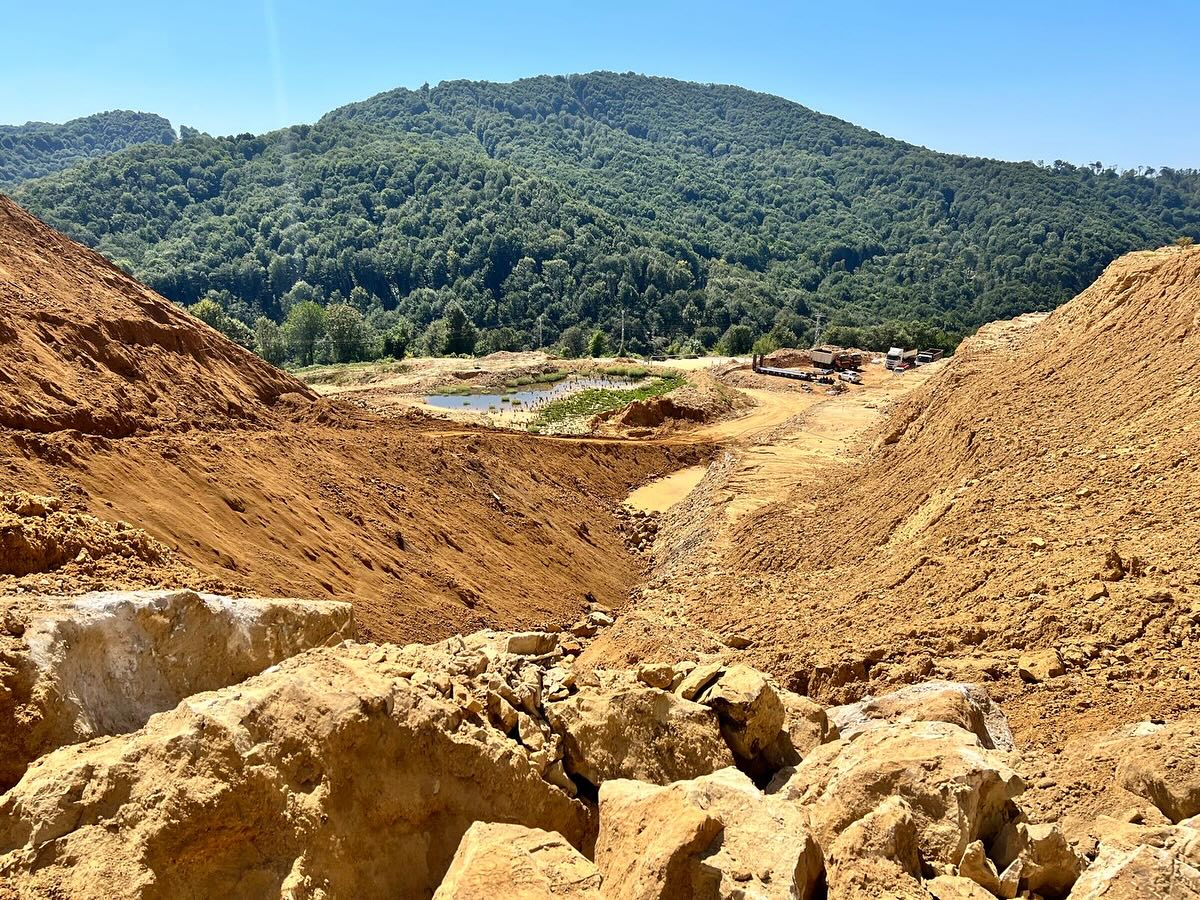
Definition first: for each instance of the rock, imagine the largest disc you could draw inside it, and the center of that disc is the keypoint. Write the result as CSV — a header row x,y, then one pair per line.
x,y
650,841
1094,590
1040,665
954,887
698,679
876,856
331,772
976,866
737,641
1143,863
600,618
511,861
749,709
103,663
1035,858
760,848
1162,766
530,733
635,731
965,705
1037,543
657,675
533,643
805,726
501,713
958,790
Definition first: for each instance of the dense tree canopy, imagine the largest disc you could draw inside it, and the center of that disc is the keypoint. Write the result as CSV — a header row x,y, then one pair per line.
x,y
39,148
658,212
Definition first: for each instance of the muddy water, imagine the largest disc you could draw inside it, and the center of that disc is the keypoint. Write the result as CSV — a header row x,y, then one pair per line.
x,y
531,396
663,493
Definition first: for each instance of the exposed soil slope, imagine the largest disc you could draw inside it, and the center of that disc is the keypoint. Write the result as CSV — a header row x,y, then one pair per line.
x,y
84,346
129,410
1035,500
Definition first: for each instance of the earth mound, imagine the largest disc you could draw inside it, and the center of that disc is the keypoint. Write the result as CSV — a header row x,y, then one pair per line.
x,y
83,346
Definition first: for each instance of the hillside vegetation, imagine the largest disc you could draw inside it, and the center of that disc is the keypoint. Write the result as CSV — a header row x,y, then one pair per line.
x,y
40,148
561,206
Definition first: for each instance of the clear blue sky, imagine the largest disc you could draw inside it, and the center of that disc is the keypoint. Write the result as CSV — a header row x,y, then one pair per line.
x,y
1014,80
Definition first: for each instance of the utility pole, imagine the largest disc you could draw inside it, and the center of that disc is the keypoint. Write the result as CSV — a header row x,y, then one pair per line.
x,y
621,351
817,330
539,325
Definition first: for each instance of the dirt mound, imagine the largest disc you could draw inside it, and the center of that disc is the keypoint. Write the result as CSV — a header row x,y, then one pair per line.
x,y
132,412
37,535
1026,517
83,346
788,358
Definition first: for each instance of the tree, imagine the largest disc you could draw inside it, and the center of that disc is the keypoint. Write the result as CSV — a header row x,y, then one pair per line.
x,y
573,342
397,339
738,340
344,325
305,324
597,344
209,312
460,331
268,341
1185,241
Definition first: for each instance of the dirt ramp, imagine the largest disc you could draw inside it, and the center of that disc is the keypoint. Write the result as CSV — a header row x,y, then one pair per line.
x,y
83,346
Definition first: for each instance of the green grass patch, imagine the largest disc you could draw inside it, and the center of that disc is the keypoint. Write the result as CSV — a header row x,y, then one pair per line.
x,y
558,414
540,378
349,373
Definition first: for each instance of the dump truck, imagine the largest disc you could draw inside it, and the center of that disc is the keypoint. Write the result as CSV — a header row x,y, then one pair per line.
x,y
925,357
901,358
827,357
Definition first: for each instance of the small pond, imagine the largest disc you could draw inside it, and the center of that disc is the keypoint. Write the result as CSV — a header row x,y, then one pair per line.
x,y
531,397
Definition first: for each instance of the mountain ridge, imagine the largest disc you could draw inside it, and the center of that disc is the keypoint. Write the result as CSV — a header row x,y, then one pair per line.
x,y
776,212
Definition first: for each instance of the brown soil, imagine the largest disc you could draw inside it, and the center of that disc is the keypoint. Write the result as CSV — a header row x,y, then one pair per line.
x,y
1052,462
83,346
131,411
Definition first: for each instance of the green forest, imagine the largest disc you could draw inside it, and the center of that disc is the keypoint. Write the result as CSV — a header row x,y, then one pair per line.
x,y
594,213
40,148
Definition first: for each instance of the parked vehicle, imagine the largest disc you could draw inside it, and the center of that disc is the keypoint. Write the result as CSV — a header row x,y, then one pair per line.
x,y
901,358
925,357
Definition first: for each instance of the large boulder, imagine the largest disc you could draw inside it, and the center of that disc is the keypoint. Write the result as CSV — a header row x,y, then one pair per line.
x,y
342,772
80,667
1137,862
805,727
1160,764
1036,858
631,730
876,856
965,705
513,862
750,711
650,841
958,790
713,836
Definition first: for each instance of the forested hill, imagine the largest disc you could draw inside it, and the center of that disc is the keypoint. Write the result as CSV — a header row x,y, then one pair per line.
x,y
39,148
564,201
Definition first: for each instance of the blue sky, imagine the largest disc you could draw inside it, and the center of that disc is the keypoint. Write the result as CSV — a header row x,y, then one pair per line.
x,y
1013,80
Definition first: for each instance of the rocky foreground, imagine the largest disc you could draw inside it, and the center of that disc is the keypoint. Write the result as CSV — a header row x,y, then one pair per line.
x,y
496,765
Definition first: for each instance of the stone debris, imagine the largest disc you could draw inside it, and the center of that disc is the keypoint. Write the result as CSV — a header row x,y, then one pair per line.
x,y
493,764
517,863
636,731
1041,665
714,836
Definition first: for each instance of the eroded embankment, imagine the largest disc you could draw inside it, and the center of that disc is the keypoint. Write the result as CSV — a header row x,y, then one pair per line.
x,y
427,532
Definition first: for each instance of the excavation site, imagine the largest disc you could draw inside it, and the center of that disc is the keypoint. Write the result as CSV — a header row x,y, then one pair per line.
x,y
758,630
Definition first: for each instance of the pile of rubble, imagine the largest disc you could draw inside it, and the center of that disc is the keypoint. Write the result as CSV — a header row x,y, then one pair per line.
x,y
638,528
498,765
